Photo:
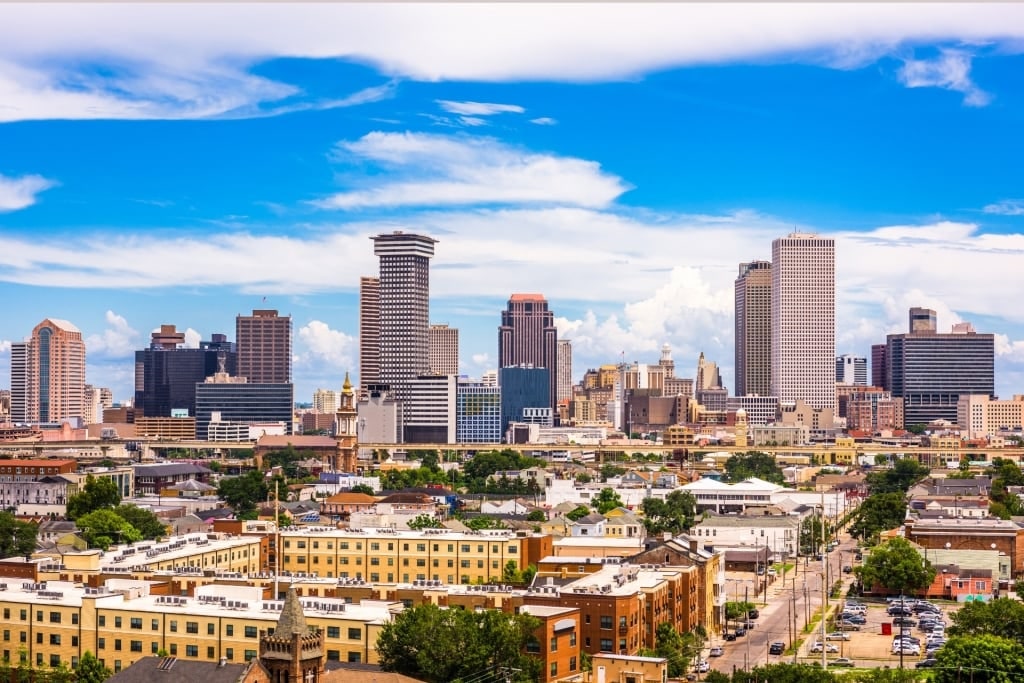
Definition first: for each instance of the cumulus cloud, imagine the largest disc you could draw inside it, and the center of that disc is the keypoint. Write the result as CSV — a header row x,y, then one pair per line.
x,y
189,61
20,193
192,339
119,339
326,348
438,170
479,108
481,359
951,70
5,346
1013,351
1006,207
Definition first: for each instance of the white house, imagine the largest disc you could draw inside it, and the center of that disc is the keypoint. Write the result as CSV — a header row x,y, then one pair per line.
x,y
780,533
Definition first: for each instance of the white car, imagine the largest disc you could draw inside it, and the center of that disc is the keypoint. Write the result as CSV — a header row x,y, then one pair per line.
x,y
817,646
913,650
702,667
838,635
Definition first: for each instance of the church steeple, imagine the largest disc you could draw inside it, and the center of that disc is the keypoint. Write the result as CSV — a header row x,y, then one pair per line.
x,y
293,653
345,429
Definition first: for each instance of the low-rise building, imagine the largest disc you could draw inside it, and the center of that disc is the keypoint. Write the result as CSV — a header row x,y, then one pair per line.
x,y
779,533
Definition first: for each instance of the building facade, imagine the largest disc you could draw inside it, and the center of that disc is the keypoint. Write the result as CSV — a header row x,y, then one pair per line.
x,y
564,370
477,412
369,332
803,329
222,400
981,417
48,374
444,350
852,369
528,336
753,298
429,411
166,373
264,341
879,376
523,388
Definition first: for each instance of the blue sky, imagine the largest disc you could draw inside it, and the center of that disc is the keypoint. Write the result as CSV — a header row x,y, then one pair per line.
x,y
178,163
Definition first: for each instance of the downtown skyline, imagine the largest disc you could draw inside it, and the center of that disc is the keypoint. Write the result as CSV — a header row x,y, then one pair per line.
x,y
250,170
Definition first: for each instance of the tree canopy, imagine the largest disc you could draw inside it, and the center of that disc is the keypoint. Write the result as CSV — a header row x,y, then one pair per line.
x,y
899,478
244,493
16,537
578,512
607,500
103,528
452,645
895,566
97,493
1000,617
362,488
147,524
742,466
981,658
879,512
1005,473
91,670
675,514
424,521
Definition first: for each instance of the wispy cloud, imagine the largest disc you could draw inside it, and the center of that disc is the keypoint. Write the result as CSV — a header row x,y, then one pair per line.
x,y
1006,207
435,170
20,193
479,108
544,121
950,70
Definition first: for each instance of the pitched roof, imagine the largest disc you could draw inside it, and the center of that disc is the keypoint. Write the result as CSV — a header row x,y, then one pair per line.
x,y
349,498
170,469
174,670
363,673
293,619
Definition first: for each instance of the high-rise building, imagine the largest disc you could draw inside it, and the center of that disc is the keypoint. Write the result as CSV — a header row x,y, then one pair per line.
x,y
404,299
222,398
879,378
668,366
429,409
444,350
166,373
369,332
922,320
528,336
524,395
852,369
477,412
325,401
564,369
930,370
753,296
708,376
803,322
264,341
48,374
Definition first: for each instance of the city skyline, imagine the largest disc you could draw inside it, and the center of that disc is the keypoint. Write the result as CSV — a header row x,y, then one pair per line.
x,y
623,175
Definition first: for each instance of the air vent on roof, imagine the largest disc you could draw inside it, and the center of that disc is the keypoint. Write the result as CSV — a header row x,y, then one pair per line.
x,y
166,664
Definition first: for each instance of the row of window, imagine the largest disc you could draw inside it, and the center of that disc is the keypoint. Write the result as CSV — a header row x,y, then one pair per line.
x,y
54,638
55,617
375,546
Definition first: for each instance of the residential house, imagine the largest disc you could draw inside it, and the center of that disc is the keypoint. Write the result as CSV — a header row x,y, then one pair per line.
x,y
591,525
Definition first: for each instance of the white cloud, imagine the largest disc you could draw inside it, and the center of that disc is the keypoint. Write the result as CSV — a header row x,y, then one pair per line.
x,y
481,359
192,339
1006,207
436,170
324,348
20,193
479,108
1012,351
544,121
117,340
5,346
196,60
951,70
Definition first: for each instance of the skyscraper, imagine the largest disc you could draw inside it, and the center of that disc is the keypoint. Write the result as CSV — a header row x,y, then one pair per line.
x,y
930,370
369,332
564,364
48,374
753,295
264,342
852,369
879,378
527,336
803,322
444,350
166,373
404,298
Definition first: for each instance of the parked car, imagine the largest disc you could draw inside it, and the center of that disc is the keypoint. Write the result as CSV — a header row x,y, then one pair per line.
x,y
740,632
760,571
777,648
842,661
847,626
926,663
702,667
837,635
853,618
716,651
729,635
903,621
753,614
912,650
818,646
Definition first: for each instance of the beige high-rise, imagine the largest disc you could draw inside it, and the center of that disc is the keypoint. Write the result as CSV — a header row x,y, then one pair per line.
x,y
264,341
803,324
444,350
369,331
48,374
753,291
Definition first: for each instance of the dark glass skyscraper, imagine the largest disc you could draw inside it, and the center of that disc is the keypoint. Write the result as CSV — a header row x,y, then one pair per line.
x,y
522,388
166,374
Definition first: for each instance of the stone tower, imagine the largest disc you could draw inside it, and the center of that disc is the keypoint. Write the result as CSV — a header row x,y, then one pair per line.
x,y
742,440
345,430
293,654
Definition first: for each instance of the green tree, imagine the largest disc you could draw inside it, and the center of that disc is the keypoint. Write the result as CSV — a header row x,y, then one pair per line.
x,y
578,512
737,610
895,566
244,493
1002,617
608,471
103,528
982,659
362,488
675,514
536,516
606,500
879,512
1005,473
481,522
16,537
147,524
447,645
884,676
424,521
583,478
785,673
917,428
91,670
899,478
716,677
97,493
742,466
813,535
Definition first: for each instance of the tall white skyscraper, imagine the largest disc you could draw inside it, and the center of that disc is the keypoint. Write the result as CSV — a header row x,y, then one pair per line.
x,y
803,325
404,308
564,370
852,369
444,350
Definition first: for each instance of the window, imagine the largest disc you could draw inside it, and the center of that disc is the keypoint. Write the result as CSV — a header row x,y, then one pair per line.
x,y
229,629
7,635
191,650
355,634
117,644
572,639
606,622
554,644
7,613
135,646
174,649
211,629
229,653
54,660
101,622
101,643
54,639
250,631
209,652
39,637
154,647
155,625
554,669
174,626
606,645
117,622
333,656
191,627
354,657
24,616
136,622
74,618
54,617
22,637
250,655
572,663
334,632
39,615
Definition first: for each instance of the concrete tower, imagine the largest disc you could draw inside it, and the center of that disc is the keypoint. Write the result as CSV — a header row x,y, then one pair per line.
x,y
803,323
48,374
753,297
444,350
564,370
668,366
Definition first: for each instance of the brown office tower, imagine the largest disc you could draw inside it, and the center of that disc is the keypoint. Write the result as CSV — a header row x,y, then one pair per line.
x,y
753,293
264,341
48,374
369,332
528,336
